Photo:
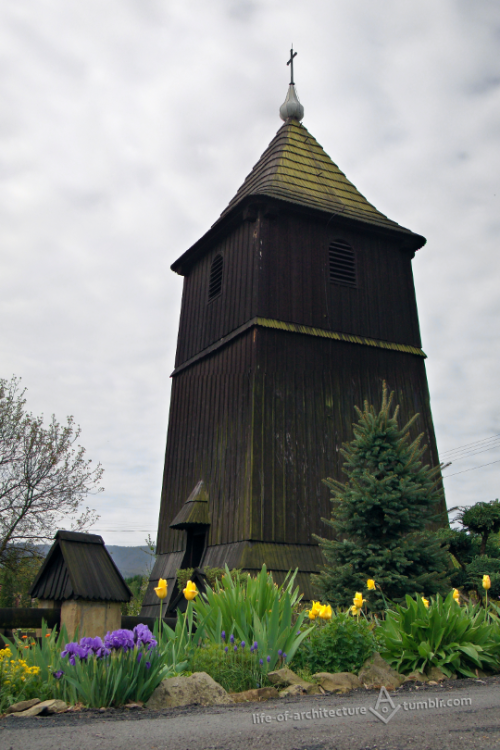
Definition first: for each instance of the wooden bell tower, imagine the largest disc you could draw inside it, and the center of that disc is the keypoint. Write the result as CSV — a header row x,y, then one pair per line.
x,y
297,304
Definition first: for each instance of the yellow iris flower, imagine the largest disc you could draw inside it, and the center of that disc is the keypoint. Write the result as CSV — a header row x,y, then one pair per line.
x,y
190,591
315,610
456,595
486,582
370,584
325,612
358,600
161,589
426,602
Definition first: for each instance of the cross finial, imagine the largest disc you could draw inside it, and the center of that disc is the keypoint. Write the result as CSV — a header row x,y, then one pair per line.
x,y
290,62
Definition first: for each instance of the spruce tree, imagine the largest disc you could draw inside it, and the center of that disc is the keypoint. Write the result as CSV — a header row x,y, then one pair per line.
x,y
381,515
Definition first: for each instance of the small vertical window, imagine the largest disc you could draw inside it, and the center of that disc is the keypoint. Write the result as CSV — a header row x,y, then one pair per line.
x,y
341,264
215,282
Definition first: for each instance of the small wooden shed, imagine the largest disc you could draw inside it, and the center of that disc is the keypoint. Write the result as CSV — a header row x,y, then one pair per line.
x,y
79,576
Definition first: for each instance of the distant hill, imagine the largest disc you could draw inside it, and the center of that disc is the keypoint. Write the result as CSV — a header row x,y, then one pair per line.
x,y
131,561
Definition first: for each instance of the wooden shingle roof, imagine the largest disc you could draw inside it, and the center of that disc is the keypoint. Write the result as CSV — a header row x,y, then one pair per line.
x,y
78,566
296,169
194,512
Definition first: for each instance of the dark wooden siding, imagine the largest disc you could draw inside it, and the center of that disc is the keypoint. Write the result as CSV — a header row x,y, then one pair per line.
x,y
209,439
204,322
278,268
305,390
262,421
294,285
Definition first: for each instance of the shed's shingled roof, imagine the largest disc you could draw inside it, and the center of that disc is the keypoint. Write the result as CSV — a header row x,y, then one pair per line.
x,y
78,566
296,169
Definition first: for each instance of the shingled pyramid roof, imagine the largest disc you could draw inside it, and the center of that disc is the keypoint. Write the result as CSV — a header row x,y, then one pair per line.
x,y
296,169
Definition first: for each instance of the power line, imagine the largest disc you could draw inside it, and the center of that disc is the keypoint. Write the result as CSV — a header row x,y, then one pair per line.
x,y
473,469
472,453
469,445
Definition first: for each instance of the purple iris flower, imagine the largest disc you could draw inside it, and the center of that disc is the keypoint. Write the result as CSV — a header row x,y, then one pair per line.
x,y
261,662
226,649
236,648
242,644
120,639
280,652
231,638
74,649
223,635
268,659
58,674
143,636
255,645
94,646
148,665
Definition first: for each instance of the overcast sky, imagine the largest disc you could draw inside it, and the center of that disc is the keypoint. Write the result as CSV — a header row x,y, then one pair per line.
x,y
126,126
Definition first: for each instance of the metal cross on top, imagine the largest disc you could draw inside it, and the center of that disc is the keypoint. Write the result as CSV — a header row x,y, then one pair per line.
x,y
290,62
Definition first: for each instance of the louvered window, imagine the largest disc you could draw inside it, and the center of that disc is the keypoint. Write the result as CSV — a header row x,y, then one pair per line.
x,y
341,264
215,283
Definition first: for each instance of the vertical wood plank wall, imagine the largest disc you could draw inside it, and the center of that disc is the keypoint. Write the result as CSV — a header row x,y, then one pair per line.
x,y
261,420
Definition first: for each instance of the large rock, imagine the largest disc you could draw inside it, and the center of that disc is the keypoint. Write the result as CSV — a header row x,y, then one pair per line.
x,y
377,673
22,706
43,708
199,689
285,677
258,694
337,682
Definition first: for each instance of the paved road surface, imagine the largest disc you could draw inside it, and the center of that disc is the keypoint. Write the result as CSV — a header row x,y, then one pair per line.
x,y
459,717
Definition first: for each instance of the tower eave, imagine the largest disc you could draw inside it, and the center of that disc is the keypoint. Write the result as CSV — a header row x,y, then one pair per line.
x,y
410,241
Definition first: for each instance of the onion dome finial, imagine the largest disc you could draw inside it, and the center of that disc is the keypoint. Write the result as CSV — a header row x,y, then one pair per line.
x,y
291,109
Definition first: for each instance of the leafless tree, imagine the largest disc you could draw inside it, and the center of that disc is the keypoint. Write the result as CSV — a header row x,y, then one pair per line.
x,y
44,476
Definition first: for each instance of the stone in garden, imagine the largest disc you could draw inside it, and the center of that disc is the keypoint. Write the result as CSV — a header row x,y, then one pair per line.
x,y
293,690
285,677
199,689
337,682
304,688
44,708
416,677
22,706
258,694
436,675
377,673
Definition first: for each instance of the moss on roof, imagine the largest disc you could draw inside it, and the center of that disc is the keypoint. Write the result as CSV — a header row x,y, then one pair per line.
x,y
296,169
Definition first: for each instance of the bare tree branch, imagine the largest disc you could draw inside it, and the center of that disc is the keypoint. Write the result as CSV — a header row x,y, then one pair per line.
x,y
44,476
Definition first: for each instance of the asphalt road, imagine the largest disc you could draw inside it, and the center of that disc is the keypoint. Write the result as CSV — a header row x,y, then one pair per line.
x,y
458,716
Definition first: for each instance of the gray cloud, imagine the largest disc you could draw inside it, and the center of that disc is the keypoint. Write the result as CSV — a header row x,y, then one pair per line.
x,y
126,128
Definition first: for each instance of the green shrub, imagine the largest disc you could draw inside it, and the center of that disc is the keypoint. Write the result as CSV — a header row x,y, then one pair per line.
x,y
254,610
475,571
445,635
18,680
235,671
341,645
138,585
